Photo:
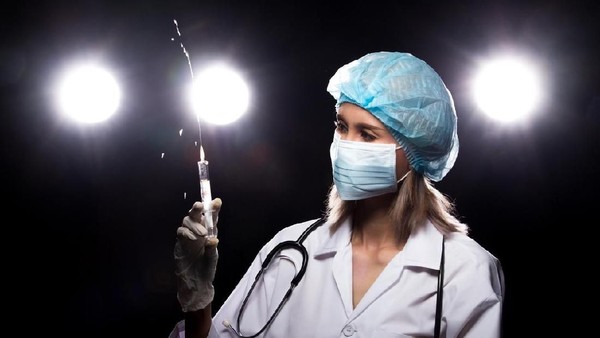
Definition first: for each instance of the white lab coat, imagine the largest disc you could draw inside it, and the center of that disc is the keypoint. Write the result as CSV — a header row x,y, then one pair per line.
x,y
400,303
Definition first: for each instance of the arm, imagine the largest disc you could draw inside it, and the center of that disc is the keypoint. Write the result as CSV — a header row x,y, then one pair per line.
x,y
196,260
197,323
486,321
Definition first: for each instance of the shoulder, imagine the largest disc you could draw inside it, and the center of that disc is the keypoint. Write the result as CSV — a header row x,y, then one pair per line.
x,y
293,232
471,264
469,251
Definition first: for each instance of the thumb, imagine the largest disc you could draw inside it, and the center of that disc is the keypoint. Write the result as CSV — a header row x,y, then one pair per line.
x,y
216,208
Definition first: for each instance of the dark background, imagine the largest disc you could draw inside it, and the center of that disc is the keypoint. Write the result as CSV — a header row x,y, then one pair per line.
x,y
90,212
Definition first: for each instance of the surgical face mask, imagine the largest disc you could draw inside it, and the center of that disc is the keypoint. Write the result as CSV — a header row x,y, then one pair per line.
x,y
362,170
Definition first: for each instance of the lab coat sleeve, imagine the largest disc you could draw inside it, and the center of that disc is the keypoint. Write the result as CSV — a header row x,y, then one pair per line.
x,y
486,320
482,293
178,331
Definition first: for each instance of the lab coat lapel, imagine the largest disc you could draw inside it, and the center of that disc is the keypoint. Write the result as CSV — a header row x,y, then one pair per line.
x,y
342,274
338,244
388,278
422,249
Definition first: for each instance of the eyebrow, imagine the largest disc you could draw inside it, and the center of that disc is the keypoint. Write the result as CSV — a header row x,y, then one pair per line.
x,y
361,125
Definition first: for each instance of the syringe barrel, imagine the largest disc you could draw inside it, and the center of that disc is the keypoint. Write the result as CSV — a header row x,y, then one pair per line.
x,y
206,196
203,170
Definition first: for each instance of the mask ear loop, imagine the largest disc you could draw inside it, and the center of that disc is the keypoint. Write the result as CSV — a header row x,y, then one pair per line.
x,y
408,172
403,177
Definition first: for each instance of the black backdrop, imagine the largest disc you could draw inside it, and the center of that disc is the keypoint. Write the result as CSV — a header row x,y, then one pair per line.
x,y
91,211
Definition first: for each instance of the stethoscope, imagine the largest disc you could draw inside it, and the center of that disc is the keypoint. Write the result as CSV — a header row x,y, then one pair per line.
x,y
297,245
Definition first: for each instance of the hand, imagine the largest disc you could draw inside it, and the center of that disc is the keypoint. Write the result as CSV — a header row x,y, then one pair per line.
x,y
196,258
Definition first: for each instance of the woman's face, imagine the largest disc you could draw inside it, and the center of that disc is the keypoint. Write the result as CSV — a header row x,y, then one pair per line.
x,y
357,124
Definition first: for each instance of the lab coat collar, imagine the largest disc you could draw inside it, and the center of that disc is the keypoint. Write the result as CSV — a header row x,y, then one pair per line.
x,y
423,248
335,241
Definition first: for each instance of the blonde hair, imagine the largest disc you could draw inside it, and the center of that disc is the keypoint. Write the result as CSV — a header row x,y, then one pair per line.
x,y
416,202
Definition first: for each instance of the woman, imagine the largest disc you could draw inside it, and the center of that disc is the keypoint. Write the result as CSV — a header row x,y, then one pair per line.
x,y
391,259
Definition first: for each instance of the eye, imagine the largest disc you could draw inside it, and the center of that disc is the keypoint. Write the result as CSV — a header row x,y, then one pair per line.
x,y
340,126
367,137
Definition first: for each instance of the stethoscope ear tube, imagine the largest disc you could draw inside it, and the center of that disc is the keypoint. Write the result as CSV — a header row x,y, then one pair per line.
x,y
295,245
278,248
440,295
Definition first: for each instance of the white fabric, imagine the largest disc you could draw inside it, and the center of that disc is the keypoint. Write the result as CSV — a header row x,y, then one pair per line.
x,y
400,303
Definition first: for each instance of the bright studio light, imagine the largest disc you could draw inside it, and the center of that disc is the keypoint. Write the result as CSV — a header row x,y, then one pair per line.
x,y
507,89
219,95
88,93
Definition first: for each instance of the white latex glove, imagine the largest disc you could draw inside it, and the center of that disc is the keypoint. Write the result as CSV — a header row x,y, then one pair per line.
x,y
196,258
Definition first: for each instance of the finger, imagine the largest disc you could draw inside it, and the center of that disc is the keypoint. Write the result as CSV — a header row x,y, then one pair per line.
x,y
188,246
212,242
216,205
196,211
196,227
183,232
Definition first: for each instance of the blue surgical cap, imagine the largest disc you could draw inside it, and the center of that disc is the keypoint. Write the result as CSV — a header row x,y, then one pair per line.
x,y
410,99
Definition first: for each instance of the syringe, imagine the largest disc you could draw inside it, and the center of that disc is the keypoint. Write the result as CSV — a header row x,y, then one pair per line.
x,y
206,195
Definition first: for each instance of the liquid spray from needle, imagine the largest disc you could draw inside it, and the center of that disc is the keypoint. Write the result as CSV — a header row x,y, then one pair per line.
x,y
222,96
205,192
